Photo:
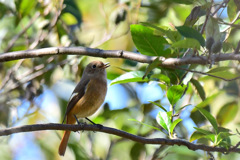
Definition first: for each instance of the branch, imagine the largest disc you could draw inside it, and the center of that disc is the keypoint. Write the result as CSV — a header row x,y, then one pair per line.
x,y
120,133
84,51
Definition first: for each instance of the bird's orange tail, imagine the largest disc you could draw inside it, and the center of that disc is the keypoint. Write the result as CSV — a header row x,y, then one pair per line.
x,y
63,144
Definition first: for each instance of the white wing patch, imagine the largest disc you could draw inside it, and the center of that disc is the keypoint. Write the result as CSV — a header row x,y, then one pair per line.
x,y
73,95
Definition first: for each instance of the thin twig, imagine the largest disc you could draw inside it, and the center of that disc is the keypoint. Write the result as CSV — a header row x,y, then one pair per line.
x,y
36,72
10,74
231,24
113,131
224,3
207,74
15,38
206,19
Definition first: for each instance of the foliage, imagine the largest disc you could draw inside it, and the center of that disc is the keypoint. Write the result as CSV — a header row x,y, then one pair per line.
x,y
198,108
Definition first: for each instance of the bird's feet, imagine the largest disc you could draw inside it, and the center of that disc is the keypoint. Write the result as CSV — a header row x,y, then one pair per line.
x,y
82,125
98,125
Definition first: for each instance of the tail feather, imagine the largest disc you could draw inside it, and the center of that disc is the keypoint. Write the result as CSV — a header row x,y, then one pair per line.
x,y
63,144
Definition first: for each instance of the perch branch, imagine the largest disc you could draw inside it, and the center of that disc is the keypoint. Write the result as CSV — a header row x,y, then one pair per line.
x,y
120,133
84,51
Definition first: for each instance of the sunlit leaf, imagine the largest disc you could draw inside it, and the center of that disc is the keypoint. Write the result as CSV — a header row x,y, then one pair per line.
x,y
72,8
173,125
196,135
147,43
164,120
174,93
203,131
162,78
187,43
164,31
188,76
207,134
134,76
26,6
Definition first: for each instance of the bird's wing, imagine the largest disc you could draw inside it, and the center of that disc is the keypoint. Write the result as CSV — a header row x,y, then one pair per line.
x,y
77,94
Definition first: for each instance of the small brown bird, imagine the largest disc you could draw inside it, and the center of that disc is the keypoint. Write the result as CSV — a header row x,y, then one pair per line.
x,y
86,98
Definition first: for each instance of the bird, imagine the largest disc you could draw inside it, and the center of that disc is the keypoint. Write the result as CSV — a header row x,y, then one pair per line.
x,y
86,98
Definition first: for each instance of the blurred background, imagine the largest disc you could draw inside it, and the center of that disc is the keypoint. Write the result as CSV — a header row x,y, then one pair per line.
x,y
36,91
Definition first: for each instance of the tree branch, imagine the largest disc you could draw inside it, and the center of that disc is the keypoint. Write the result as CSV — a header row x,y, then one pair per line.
x,y
84,51
83,126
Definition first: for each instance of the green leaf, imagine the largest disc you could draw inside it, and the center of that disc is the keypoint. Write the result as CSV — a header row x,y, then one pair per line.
x,y
162,78
159,105
72,8
226,75
173,125
196,135
211,137
189,32
203,131
209,117
227,113
199,88
206,134
223,139
231,10
206,102
187,43
134,76
188,76
3,10
219,69
164,120
147,43
151,66
174,93
26,7
164,31
112,75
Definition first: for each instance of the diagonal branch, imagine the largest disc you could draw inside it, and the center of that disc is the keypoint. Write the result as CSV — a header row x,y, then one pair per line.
x,y
84,51
113,131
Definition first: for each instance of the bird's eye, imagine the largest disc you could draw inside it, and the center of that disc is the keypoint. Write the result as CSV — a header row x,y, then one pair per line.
x,y
94,66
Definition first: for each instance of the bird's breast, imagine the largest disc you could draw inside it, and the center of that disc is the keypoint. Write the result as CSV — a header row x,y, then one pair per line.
x,y
92,99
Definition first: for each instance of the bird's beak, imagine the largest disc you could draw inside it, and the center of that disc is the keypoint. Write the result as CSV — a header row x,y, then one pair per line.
x,y
106,65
